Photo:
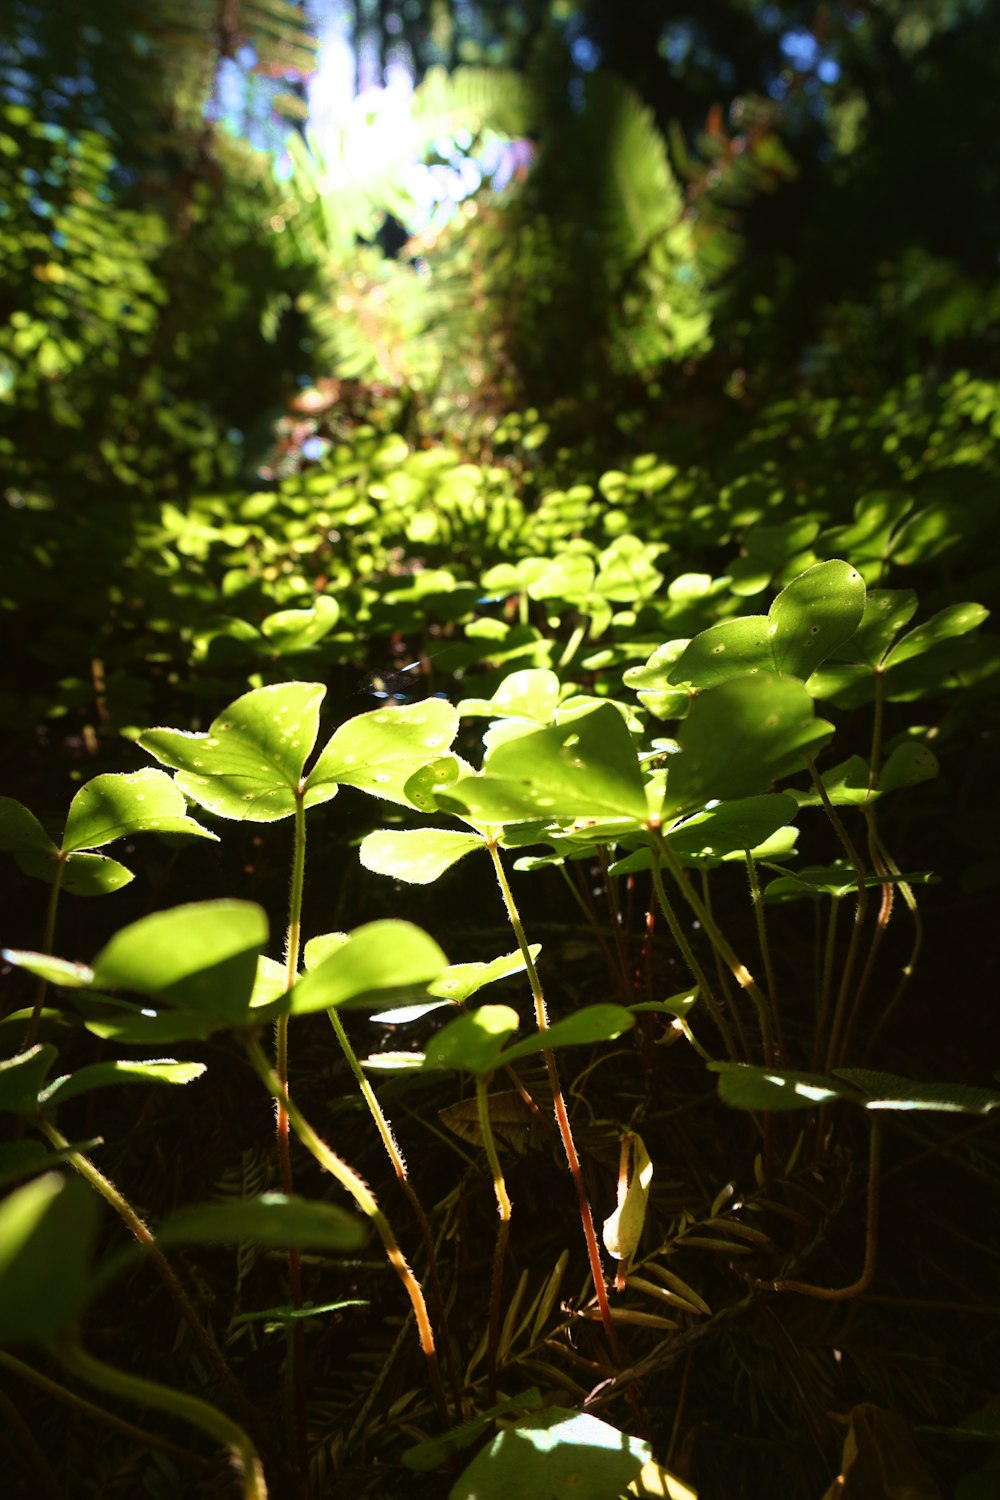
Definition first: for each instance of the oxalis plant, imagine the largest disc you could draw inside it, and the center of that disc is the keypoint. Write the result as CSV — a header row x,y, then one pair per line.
x,y
587,782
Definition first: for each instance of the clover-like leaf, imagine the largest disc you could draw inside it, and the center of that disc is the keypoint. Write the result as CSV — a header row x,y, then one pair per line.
x,y
47,1233
472,1043
888,1091
461,981
740,737
121,1070
378,752
956,620
22,1078
293,630
380,961
417,855
584,1028
728,649
532,693
20,830
250,763
273,1219
201,958
747,1087
116,806
586,768
816,613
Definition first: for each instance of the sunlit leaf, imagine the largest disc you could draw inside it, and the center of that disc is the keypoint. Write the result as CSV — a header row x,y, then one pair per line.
x,y
114,806
201,958
378,752
816,613
379,962
748,1087
417,855
250,762
473,1042
122,1070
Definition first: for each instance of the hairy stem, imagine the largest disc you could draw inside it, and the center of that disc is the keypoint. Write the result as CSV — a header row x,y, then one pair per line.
x,y
559,1106
366,1201
504,1210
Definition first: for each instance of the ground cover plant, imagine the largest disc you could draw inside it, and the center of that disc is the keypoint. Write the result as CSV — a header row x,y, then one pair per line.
x,y
499,736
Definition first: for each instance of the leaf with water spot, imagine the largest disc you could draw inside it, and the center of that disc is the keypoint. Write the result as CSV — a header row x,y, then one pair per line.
x,y
561,1454
378,752
818,612
532,693
739,738
116,806
587,768
945,626
472,1043
731,648
250,762
886,612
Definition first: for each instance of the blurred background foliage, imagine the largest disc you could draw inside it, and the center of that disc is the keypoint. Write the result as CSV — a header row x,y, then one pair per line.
x,y
625,217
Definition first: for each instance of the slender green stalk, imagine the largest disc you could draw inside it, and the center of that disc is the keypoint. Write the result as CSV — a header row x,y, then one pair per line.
x,y
860,913
504,1210
826,985
220,1428
295,1396
48,938
722,946
559,1106
94,1413
757,898
366,1202
906,891
141,1231
875,756
687,953
403,1178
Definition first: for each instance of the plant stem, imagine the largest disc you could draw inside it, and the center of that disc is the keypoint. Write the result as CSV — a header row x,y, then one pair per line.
x,y
141,1231
860,912
403,1178
48,938
721,945
757,898
864,1281
687,953
367,1203
191,1409
95,1413
559,1106
504,1210
295,1398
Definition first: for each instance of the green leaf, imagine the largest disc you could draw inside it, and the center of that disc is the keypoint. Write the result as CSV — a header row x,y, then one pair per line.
x,y
908,765
292,630
378,962
748,1087
732,648
837,880
845,785
816,613
249,764
82,874
886,612
460,981
957,620
201,958
586,768
21,831
47,1233
740,737
272,1219
436,1451
558,1454
57,971
378,752
472,1043
741,824
152,1029
123,1070
532,693
22,1077
887,1091
595,1023
115,806
417,855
